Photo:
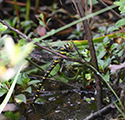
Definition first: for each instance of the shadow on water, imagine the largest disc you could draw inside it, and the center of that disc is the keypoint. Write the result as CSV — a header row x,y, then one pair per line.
x,y
64,105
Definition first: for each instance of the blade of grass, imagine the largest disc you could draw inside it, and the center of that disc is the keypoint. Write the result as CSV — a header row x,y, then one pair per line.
x,y
119,109
52,32
5,101
82,42
108,85
27,9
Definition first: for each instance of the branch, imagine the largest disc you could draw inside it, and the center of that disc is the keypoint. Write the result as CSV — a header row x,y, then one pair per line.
x,y
101,112
81,13
30,40
105,5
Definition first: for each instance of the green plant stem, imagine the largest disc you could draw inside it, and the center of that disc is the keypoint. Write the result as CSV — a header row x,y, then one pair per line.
x,y
84,42
17,14
55,31
119,109
37,66
5,101
36,6
27,9
105,5
108,86
52,32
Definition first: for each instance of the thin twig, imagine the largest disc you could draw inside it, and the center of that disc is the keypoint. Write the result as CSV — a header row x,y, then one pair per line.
x,y
101,112
17,13
30,61
30,40
80,10
105,5
76,49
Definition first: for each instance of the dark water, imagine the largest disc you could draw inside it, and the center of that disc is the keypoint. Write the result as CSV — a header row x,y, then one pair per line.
x,y
60,105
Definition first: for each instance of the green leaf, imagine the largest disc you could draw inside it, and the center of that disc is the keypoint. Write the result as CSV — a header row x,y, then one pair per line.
x,y
21,42
25,77
107,76
120,23
57,77
2,91
101,63
42,23
42,16
48,21
121,7
72,36
122,11
33,82
22,80
52,32
101,54
107,62
114,46
12,115
55,70
88,99
27,28
117,3
120,53
21,98
29,90
14,21
93,2
2,27
110,29
106,40
88,76
27,23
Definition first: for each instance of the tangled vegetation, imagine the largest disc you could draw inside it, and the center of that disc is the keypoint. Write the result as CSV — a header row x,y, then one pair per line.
x,y
31,37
